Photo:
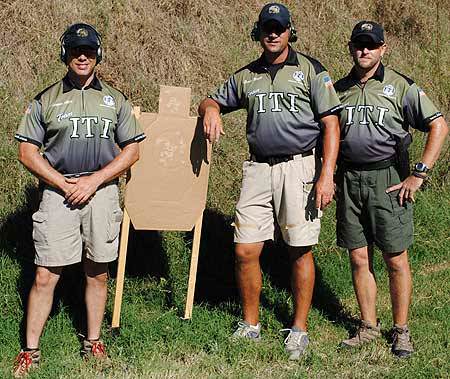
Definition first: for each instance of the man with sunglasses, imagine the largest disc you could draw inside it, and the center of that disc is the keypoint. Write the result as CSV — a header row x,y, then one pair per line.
x,y
374,193
78,122
291,103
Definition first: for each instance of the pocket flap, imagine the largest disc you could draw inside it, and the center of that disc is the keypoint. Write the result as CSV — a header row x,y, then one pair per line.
x,y
39,216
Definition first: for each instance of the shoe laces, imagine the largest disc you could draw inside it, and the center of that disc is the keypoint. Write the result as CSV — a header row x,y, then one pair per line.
x,y
98,348
23,361
400,334
293,338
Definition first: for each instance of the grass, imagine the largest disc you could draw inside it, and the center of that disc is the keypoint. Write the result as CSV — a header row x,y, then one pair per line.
x,y
198,44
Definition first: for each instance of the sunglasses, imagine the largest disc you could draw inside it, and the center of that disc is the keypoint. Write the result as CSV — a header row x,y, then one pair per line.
x,y
366,45
83,50
275,27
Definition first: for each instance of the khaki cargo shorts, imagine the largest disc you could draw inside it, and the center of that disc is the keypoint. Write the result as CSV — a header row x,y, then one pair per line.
x,y
283,192
62,234
366,214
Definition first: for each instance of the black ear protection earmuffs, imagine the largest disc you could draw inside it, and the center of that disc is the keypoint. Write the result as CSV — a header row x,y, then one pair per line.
x,y
72,29
256,32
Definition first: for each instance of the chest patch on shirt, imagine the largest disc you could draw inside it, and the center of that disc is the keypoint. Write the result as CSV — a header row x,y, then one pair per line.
x,y
389,90
109,101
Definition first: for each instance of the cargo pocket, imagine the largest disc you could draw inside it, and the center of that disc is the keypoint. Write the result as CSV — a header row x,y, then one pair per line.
x,y
397,209
114,225
40,227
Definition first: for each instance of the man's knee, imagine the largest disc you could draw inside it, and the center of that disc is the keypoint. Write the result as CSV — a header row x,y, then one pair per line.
x,y
46,278
360,258
247,253
397,263
96,273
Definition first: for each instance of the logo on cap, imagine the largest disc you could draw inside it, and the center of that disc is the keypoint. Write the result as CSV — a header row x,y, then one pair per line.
x,y
82,32
367,27
274,9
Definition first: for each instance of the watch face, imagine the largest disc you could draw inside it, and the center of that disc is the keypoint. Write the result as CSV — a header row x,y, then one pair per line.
x,y
420,167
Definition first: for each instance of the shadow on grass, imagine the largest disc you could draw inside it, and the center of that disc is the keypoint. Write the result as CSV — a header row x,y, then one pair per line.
x,y
216,279
146,258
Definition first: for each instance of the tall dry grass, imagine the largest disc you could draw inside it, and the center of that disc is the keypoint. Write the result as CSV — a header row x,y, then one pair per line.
x,y
198,44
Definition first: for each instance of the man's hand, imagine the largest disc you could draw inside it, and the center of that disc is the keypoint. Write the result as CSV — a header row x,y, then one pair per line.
x,y
324,191
212,125
81,189
407,189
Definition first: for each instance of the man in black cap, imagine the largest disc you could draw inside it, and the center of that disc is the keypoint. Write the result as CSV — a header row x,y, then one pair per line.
x,y
78,122
290,101
374,190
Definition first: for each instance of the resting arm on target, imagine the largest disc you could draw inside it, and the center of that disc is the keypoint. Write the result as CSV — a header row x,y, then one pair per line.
x,y
436,138
209,110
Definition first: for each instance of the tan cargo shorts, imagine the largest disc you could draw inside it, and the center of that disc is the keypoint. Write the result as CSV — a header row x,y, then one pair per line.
x,y
62,234
283,192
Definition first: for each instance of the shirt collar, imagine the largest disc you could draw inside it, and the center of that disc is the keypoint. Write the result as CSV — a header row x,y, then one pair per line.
x,y
69,85
291,59
378,75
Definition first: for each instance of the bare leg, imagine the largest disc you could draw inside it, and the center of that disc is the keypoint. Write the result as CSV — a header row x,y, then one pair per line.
x,y
95,296
302,283
40,303
249,279
364,282
400,285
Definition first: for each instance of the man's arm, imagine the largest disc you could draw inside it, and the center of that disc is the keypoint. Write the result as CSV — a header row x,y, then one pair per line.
x,y
436,138
212,122
325,184
32,159
84,187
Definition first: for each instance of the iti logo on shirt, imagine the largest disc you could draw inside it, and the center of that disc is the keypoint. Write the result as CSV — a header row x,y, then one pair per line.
x,y
298,76
389,90
109,101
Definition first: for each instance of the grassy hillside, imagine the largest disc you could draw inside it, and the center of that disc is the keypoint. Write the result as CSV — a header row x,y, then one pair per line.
x,y
198,44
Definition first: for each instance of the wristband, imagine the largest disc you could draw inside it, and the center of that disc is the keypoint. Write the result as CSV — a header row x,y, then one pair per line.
x,y
420,175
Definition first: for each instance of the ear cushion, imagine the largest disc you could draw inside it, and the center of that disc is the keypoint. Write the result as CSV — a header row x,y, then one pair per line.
x,y
255,33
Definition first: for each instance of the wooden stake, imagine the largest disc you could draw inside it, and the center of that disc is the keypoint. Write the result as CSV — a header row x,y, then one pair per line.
x,y
193,269
122,254
121,269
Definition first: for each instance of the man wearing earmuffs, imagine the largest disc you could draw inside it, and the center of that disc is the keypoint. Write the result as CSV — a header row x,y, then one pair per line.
x,y
78,123
292,115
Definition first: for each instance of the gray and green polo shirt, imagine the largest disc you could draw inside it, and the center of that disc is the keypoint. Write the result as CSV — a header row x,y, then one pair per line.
x,y
377,112
283,106
79,129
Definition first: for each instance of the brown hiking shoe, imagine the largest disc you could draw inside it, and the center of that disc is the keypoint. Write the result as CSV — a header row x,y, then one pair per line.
x,y
94,349
366,333
25,361
401,342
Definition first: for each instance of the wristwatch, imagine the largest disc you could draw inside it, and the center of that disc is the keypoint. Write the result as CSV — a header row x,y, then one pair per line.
x,y
421,167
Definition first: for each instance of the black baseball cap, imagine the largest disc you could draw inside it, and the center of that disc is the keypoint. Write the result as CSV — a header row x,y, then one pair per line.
x,y
369,29
81,35
277,12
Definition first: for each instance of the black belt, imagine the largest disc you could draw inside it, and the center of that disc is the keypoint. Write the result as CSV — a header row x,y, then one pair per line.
x,y
385,163
273,160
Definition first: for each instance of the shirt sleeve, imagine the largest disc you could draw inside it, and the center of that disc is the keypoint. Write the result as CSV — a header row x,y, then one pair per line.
x,y
418,109
128,129
32,128
227,96
324,100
